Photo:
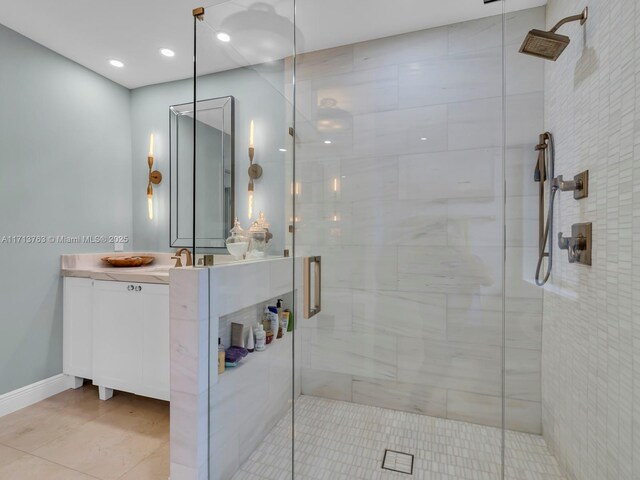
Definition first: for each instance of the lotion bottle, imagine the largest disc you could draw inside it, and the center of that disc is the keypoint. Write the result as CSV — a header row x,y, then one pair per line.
x,y
261,337
250,344
221,355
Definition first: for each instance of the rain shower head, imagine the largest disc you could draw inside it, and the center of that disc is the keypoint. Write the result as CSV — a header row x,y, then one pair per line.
x,y
545,45
550,45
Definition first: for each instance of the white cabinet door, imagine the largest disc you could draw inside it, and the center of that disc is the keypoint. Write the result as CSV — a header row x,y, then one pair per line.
x,y
118,334
131,337
155,345
77,357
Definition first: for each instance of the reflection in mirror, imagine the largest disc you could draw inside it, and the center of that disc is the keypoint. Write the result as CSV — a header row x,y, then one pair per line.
x,y
214,172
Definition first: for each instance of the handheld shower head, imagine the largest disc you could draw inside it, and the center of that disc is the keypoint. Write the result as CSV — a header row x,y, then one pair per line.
x,y
550,45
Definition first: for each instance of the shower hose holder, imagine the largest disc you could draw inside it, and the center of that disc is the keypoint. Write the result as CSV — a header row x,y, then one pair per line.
x,y
579,185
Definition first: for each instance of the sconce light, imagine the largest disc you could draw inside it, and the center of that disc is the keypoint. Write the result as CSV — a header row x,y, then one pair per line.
x,y
255,170
155,177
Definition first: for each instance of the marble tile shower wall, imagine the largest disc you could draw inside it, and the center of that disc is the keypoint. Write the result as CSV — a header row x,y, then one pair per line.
x,y
405,206
591,354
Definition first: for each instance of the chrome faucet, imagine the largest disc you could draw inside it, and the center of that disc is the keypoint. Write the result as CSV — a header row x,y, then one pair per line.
x,y
178,258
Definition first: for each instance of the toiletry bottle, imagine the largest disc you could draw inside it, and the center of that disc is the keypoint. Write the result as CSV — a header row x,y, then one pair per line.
x,y
284,322
250,344
290,325
274,321
266,319
221,361
279,312
261,337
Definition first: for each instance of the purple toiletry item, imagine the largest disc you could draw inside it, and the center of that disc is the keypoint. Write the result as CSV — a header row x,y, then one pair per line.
x,y
234,354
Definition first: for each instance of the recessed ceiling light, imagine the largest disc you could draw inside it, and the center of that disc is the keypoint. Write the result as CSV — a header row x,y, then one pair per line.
x,y
424,139
116,63
223,37
327,142
282,149
167,52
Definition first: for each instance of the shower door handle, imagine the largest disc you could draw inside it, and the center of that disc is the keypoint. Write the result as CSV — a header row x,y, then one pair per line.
x,y
312,278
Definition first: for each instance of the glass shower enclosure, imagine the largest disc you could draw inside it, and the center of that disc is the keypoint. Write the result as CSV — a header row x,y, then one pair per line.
x,y
388,148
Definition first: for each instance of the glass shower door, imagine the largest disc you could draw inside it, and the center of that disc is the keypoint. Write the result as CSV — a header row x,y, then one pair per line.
x,y
242,51
399,189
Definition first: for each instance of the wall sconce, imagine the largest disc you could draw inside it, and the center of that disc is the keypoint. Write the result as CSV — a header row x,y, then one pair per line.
x,y
255,170
155,177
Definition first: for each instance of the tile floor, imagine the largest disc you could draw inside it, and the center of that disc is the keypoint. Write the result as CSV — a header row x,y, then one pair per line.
x,y
344,441
75,436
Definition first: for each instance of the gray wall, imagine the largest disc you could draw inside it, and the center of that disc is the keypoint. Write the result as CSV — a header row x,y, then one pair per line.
x,y
259,96
591,344
65,168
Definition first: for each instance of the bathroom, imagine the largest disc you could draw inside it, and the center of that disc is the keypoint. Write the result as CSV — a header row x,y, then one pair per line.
x,y
385,240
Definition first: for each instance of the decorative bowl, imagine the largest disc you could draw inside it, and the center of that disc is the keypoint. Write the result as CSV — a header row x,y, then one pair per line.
x,y
129,261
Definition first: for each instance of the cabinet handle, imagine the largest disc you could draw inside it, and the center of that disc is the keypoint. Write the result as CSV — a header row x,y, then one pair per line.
x,y
130,288
139,288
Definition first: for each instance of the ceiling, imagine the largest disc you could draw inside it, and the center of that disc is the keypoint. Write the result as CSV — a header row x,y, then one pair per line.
x,y
91,32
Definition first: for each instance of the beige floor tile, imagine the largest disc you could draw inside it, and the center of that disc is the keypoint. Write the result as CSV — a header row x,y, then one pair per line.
x,y
113,443
154,467
34,426
29,467
86,400
9,455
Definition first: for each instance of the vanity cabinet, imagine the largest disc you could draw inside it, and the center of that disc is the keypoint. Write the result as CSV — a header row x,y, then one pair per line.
x,y
77,338
117,334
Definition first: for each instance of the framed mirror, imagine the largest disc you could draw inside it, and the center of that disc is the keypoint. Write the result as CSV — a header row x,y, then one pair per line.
x,y
214,176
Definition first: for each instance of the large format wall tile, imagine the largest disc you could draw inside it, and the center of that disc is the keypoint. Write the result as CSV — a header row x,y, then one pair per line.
x,y
451,79
407,314
522,374
475,222
474,270
450,174
373,179
335,99
321,383
408,397
450,365
356,353
325,63
373,267
397,132
380,222
520,415
405,205
401,49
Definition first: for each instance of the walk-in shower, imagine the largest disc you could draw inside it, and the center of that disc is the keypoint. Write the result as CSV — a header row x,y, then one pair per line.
x,y
550,45
413,186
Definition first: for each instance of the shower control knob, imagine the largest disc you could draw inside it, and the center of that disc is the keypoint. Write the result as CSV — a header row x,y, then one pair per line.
x,y
578,246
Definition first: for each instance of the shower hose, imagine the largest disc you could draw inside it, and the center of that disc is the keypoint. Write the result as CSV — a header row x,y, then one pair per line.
x,y
546,167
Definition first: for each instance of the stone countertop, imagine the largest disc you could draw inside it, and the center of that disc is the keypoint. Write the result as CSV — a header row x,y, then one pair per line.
x,y
90,265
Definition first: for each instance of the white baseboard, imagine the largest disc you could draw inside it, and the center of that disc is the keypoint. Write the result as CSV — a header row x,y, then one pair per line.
x,y
34,393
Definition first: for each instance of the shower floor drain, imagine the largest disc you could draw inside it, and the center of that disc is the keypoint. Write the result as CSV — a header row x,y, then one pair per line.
x,y
397,462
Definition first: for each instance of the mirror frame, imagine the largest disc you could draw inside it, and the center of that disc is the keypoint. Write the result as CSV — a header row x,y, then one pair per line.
x,y
176,111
